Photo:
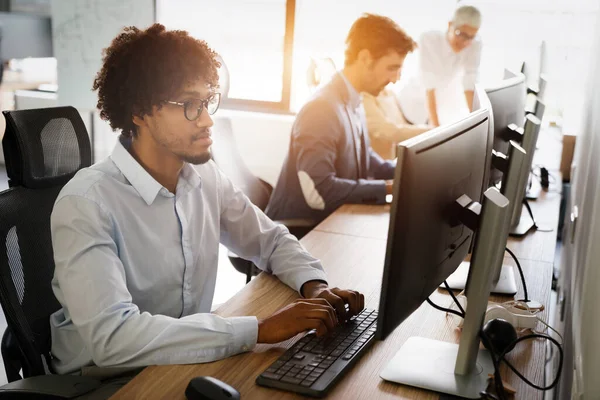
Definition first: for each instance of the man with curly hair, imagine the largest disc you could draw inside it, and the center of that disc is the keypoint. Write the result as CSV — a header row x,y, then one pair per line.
x,y
136,236
330,161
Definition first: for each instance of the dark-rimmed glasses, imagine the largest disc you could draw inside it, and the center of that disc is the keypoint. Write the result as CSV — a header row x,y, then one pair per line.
x,y
192,109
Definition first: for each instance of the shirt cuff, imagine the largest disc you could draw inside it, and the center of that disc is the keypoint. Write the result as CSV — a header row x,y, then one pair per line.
x,y
307,276
245,333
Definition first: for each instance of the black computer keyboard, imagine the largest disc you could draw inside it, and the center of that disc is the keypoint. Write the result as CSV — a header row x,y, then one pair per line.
x,y
313,365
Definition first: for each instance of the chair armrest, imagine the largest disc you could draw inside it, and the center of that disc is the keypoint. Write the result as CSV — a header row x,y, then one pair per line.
x,y
49,387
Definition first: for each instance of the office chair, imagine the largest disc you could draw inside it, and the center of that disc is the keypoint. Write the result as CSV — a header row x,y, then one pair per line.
x,y
226,155
43,149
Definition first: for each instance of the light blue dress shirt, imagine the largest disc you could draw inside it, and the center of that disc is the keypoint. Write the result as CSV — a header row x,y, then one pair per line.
x,y
136,265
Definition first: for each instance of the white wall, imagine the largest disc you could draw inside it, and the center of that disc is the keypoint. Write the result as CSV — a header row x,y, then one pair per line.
x,y
582,253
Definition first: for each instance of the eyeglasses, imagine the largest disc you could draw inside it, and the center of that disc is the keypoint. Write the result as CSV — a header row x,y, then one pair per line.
x,y
192,109
464,36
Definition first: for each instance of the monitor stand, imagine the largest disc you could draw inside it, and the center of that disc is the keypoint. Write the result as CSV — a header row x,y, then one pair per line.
x,y
534,191
524,225
506,285
429,364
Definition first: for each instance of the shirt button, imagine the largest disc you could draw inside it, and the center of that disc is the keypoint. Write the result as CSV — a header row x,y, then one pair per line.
x,y
244,348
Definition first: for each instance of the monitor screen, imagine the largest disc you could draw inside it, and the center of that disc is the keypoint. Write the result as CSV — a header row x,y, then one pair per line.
x,y
425,241
508,107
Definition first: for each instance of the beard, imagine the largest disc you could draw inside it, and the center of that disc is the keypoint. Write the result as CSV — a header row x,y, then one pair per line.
x,y
171,142
196,159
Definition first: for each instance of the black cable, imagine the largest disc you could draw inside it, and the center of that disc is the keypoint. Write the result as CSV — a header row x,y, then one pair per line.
x,y
462,310
498,385
520,273
528,207
496,361
447,310
527,381
535,226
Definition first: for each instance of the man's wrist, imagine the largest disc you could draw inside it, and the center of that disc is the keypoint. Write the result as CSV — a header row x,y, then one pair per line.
x,y
311,289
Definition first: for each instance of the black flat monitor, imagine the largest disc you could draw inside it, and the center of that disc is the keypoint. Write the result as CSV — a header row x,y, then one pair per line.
x,y
425,242
508,107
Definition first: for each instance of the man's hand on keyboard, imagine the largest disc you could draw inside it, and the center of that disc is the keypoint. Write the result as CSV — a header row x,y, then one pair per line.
x,y
300,316
338,298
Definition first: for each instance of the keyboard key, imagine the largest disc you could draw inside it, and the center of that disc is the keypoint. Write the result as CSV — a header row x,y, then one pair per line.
x,y
270,375
319,370
298,357
309,347
307,383
337,353
347,356
291,380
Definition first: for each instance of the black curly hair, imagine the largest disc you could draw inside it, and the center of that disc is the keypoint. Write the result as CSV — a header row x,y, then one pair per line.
x,y
143,68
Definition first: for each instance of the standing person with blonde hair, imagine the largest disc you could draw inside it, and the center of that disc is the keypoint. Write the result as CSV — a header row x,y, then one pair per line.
x,y
443,57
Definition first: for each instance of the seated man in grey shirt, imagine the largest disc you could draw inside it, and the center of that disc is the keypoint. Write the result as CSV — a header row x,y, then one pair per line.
x,y
136,236
330,161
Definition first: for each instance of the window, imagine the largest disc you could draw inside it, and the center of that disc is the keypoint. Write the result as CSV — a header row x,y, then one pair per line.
x,y
252,36
256,37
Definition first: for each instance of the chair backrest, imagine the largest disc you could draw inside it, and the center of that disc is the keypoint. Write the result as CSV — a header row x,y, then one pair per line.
x,y
226,155
43,148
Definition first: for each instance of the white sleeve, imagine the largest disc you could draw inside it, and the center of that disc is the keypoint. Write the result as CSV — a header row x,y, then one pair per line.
x,y
472,61
250,234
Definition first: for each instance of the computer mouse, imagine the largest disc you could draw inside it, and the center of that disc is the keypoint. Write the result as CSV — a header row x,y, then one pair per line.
x,y
209,388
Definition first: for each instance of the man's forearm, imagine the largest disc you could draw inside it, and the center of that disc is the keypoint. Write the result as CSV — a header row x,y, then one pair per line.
x,y
432,107
469,95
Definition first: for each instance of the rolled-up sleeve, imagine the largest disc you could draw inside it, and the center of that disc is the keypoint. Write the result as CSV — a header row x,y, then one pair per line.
x,y
90,282
250,234
472,61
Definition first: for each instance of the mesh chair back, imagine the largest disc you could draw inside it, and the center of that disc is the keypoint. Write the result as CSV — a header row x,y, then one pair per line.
x,y
43,149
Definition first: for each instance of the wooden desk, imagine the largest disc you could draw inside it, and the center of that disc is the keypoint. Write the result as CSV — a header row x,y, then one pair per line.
x,y
351,244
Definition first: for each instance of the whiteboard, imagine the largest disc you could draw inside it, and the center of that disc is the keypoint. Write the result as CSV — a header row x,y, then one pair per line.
x,y
81,29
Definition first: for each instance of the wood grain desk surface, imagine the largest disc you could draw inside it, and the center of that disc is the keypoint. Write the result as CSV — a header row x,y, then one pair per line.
x,y
351,244
372,221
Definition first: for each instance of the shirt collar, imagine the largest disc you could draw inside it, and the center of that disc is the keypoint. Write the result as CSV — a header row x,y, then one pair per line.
x,y
147,187
353,95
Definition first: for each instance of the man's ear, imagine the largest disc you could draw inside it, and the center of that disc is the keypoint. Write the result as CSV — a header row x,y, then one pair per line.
x,y
138,121
364,57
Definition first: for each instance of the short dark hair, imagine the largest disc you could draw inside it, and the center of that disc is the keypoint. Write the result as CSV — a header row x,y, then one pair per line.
x,y
143,68
379,35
